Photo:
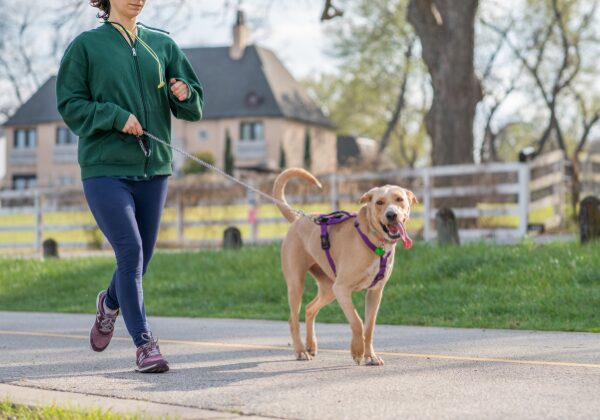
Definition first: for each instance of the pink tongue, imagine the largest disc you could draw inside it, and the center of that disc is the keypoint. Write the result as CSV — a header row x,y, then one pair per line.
x,y
405,238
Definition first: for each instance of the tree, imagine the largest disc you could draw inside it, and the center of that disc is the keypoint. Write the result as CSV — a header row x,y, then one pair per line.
x,y
307,151
554,61
446,31
228,158
381,89
191,167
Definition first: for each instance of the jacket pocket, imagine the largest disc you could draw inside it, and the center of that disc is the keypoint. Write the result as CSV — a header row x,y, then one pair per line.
x,y
122,149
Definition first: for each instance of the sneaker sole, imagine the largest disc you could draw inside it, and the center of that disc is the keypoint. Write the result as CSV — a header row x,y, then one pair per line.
x,y
157,368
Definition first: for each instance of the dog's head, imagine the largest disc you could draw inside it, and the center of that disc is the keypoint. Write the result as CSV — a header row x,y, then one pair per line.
x,y
388,210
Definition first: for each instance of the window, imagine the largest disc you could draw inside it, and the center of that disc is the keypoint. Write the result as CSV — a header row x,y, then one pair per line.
x,y
65,180
25,138
24,182
252,131
203,135
64,136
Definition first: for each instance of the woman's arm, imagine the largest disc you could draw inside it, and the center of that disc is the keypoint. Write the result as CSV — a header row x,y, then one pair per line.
x,y
84,116
179,68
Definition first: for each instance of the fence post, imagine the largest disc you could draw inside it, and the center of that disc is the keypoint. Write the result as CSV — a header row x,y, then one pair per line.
x,y
561,192
335,204
252,213
180,219
426,204
523,198
38,221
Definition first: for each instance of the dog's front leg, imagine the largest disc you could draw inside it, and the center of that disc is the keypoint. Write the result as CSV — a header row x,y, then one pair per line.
x,y
372,301
343,294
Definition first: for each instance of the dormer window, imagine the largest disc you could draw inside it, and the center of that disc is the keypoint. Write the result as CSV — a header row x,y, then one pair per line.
x,y
253,100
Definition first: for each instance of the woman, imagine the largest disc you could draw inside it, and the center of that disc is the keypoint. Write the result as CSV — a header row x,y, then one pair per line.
x,y
110,88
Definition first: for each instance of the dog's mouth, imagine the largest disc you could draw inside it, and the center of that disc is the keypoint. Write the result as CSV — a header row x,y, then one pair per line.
x,y
396,231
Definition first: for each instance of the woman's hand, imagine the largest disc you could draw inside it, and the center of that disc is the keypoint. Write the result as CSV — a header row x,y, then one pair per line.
x,y
179,89
133,126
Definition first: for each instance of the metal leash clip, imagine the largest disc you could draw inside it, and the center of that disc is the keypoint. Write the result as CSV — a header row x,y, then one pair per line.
x,y
144,145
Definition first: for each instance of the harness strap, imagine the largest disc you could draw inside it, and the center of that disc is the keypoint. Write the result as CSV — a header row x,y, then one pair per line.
x,y
383,259
324,220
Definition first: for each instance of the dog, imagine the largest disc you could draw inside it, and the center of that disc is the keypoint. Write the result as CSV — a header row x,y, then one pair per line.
x,y
353,265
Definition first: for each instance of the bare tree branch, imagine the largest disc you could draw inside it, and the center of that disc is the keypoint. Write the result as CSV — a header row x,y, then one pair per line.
x,y
385,139
330,11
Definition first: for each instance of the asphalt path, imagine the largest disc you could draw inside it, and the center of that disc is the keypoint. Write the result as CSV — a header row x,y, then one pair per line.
x,y
226,368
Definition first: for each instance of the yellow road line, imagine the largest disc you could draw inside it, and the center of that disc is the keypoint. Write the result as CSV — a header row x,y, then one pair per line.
x,y
284,348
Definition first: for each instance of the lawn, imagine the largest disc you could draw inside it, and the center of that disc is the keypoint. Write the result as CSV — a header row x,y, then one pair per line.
x,y
11,411
526,286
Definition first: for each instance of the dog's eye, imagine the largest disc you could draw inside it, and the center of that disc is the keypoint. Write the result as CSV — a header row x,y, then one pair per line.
x,y
379,202
399,199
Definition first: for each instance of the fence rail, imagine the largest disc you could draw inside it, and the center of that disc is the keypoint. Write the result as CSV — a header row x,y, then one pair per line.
x,y
499,199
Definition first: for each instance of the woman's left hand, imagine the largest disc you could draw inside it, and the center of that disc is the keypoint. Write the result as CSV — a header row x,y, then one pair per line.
x,y
179,89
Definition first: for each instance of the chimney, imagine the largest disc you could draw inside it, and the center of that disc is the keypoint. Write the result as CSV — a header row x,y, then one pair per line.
x,y
240,37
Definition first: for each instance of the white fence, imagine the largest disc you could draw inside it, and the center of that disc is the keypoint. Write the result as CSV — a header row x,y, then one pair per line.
x,y
499,200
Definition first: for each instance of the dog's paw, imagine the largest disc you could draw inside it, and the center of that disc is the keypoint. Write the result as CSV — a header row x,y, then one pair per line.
x,y
357,349
303,355
373,361
312,351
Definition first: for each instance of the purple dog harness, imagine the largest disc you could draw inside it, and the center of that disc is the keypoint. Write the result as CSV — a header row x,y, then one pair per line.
x,y
325,220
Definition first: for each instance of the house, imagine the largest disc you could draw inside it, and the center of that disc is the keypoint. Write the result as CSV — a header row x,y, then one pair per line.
x,y
355,153
248,93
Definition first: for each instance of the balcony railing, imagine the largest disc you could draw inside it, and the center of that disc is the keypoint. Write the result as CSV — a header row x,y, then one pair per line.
x,y
65,153
23,156
255,150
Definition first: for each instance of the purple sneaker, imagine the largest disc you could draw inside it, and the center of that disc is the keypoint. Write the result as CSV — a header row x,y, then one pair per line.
x,y
149,359
103,328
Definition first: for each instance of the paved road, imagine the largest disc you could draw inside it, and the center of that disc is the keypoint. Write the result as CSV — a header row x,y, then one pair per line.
x,y
230,368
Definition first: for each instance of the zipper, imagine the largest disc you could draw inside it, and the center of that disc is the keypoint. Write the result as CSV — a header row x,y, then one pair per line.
x,y
144,105
148,152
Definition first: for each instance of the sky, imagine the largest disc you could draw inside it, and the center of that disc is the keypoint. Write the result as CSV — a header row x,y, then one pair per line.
x,y
291,28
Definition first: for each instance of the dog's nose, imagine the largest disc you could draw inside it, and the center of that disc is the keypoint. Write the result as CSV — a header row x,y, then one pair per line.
x,y
391,216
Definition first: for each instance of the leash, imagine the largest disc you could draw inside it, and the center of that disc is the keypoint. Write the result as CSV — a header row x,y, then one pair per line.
x,y
207,165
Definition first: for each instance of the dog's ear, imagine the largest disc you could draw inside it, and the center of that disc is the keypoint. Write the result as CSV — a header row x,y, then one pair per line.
x,y
366,197
412,197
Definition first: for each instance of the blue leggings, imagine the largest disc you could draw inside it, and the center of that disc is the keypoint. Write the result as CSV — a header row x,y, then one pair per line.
x,y
128,213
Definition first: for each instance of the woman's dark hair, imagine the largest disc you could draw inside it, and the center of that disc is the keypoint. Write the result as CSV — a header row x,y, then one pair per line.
x,y
104,6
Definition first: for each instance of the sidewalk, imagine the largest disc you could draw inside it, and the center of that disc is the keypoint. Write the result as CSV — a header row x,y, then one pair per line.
x,y
229,368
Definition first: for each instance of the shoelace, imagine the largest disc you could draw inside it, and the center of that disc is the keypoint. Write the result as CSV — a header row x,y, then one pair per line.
x,y
108,323
151,347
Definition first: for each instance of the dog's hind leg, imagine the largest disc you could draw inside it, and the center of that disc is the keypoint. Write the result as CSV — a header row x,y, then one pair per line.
x,y
325,296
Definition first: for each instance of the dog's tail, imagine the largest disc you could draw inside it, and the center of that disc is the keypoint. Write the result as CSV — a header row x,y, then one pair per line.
x,y
279,188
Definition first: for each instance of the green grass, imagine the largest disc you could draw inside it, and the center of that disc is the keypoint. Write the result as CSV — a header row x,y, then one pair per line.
x,y
11,411
549,287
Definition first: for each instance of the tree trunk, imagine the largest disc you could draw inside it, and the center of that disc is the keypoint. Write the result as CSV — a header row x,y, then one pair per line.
x,y
446,29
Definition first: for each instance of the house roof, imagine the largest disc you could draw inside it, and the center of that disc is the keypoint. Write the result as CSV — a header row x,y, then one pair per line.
x,y
40,108
257,85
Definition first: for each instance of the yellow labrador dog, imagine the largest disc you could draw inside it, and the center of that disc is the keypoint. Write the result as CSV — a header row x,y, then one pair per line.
x,y
352,252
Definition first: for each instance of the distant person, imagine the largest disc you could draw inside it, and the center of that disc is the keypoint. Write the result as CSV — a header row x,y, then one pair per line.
x,y
111,86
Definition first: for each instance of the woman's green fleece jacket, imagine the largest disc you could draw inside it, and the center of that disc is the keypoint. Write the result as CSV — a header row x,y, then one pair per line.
x,y
103,79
